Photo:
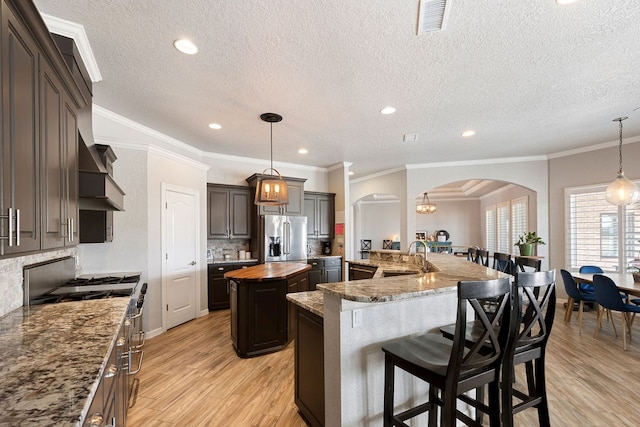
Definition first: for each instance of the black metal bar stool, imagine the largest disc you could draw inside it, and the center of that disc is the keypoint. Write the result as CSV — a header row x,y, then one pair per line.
x,y
451,367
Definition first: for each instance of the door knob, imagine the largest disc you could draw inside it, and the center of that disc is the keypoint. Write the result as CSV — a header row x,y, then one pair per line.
x,y
192,263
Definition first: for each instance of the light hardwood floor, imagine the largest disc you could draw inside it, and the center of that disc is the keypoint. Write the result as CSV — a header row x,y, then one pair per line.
x,y
192,377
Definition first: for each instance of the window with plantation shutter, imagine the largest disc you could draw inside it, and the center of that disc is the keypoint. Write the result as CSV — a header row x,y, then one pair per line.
x,y
502,228
599,233
519,219
490,228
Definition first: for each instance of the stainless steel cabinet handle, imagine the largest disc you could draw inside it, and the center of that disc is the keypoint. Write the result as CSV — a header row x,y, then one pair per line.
x,y
10,226
17,227
141,352
71,226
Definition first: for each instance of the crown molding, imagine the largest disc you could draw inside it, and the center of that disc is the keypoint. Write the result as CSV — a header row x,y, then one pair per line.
x,y
76,32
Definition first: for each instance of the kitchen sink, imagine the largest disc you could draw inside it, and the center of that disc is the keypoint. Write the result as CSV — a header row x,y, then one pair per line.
x,y
390,273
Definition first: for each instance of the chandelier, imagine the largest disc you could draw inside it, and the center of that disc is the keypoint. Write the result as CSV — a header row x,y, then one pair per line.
x,y
621,191
425,207
271,189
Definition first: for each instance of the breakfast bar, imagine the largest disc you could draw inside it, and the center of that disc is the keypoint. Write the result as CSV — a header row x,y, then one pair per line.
x,y
360,316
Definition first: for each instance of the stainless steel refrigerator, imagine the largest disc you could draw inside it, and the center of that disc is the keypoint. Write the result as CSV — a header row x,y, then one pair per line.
x,y
283,238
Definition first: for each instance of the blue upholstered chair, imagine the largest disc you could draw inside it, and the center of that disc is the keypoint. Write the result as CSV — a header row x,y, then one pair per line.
x,y
588,287
608,297
575,295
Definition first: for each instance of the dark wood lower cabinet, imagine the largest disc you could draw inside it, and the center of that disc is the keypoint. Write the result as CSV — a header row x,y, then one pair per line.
x,y
218,286
260,316
309,365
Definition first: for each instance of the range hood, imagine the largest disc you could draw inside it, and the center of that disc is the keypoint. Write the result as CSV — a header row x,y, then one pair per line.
x,y
97,191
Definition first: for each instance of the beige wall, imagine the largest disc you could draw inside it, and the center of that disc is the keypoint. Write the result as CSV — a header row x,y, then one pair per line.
x,y
594,167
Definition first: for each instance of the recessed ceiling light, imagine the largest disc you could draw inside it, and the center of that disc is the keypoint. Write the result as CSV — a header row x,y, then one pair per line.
x,y
302,151
350,172
215,126
185,46
468,133
565,1
388,110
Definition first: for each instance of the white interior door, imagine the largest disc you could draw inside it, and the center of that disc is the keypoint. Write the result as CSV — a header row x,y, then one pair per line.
x,y
181,241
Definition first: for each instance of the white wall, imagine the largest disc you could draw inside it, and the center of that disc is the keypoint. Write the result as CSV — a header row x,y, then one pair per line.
x,y
408,184
379,221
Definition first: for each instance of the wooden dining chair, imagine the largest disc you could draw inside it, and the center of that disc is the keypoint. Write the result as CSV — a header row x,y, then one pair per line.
x,y
451,367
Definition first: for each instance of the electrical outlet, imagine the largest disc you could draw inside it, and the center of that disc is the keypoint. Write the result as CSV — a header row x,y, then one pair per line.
x,y
356,318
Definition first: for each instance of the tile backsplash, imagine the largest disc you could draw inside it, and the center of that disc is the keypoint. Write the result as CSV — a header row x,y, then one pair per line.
x,y
11,276
221,247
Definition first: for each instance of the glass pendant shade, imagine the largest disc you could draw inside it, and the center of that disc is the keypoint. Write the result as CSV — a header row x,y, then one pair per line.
x,y
622,191
425,207
271,189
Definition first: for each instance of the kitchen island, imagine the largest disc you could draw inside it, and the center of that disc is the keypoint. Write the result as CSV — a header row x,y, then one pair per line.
x,y
52,359
359,317
261,321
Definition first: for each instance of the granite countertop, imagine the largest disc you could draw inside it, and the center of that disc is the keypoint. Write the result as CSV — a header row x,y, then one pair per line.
x,y
51,358
268,271
312,301
444,273
323,256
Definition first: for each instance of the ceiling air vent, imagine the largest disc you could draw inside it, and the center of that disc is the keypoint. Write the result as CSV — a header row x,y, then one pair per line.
x,y
432,15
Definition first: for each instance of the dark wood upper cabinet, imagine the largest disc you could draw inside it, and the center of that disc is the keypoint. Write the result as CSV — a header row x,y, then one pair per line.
x,y
59,147
39,122
229,212
320,211
20,139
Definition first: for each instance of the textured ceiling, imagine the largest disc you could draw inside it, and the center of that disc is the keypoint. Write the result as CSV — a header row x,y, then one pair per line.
x,y
530,77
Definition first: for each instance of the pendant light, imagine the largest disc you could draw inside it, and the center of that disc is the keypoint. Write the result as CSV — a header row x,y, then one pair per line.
x,y
621,191
271,189
425,207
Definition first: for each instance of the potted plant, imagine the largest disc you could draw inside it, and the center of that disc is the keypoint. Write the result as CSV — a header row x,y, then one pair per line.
x,y
527,241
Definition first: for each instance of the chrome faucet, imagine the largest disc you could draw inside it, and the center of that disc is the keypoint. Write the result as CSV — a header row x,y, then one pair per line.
x,y
416,241
419,258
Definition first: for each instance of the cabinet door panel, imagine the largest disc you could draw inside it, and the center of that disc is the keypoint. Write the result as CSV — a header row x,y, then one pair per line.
x,y
333,275
310,212
296,197
53,152
325,221
218,206
20,150
240,214
70,139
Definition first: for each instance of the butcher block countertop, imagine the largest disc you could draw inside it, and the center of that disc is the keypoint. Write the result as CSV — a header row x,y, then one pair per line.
x,y
268,271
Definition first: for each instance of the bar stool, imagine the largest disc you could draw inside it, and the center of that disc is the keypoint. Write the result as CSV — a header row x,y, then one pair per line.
x,y
450,366
534,263
482,257
535,302
502,262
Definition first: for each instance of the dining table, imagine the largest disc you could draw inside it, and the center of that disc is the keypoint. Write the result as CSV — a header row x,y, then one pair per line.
x,y
624,281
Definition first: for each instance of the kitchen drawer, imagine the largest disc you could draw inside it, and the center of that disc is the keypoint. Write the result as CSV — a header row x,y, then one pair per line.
x,y
220,269
332,262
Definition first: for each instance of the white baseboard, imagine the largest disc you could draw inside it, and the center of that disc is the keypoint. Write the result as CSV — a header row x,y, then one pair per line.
x,y
154,333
